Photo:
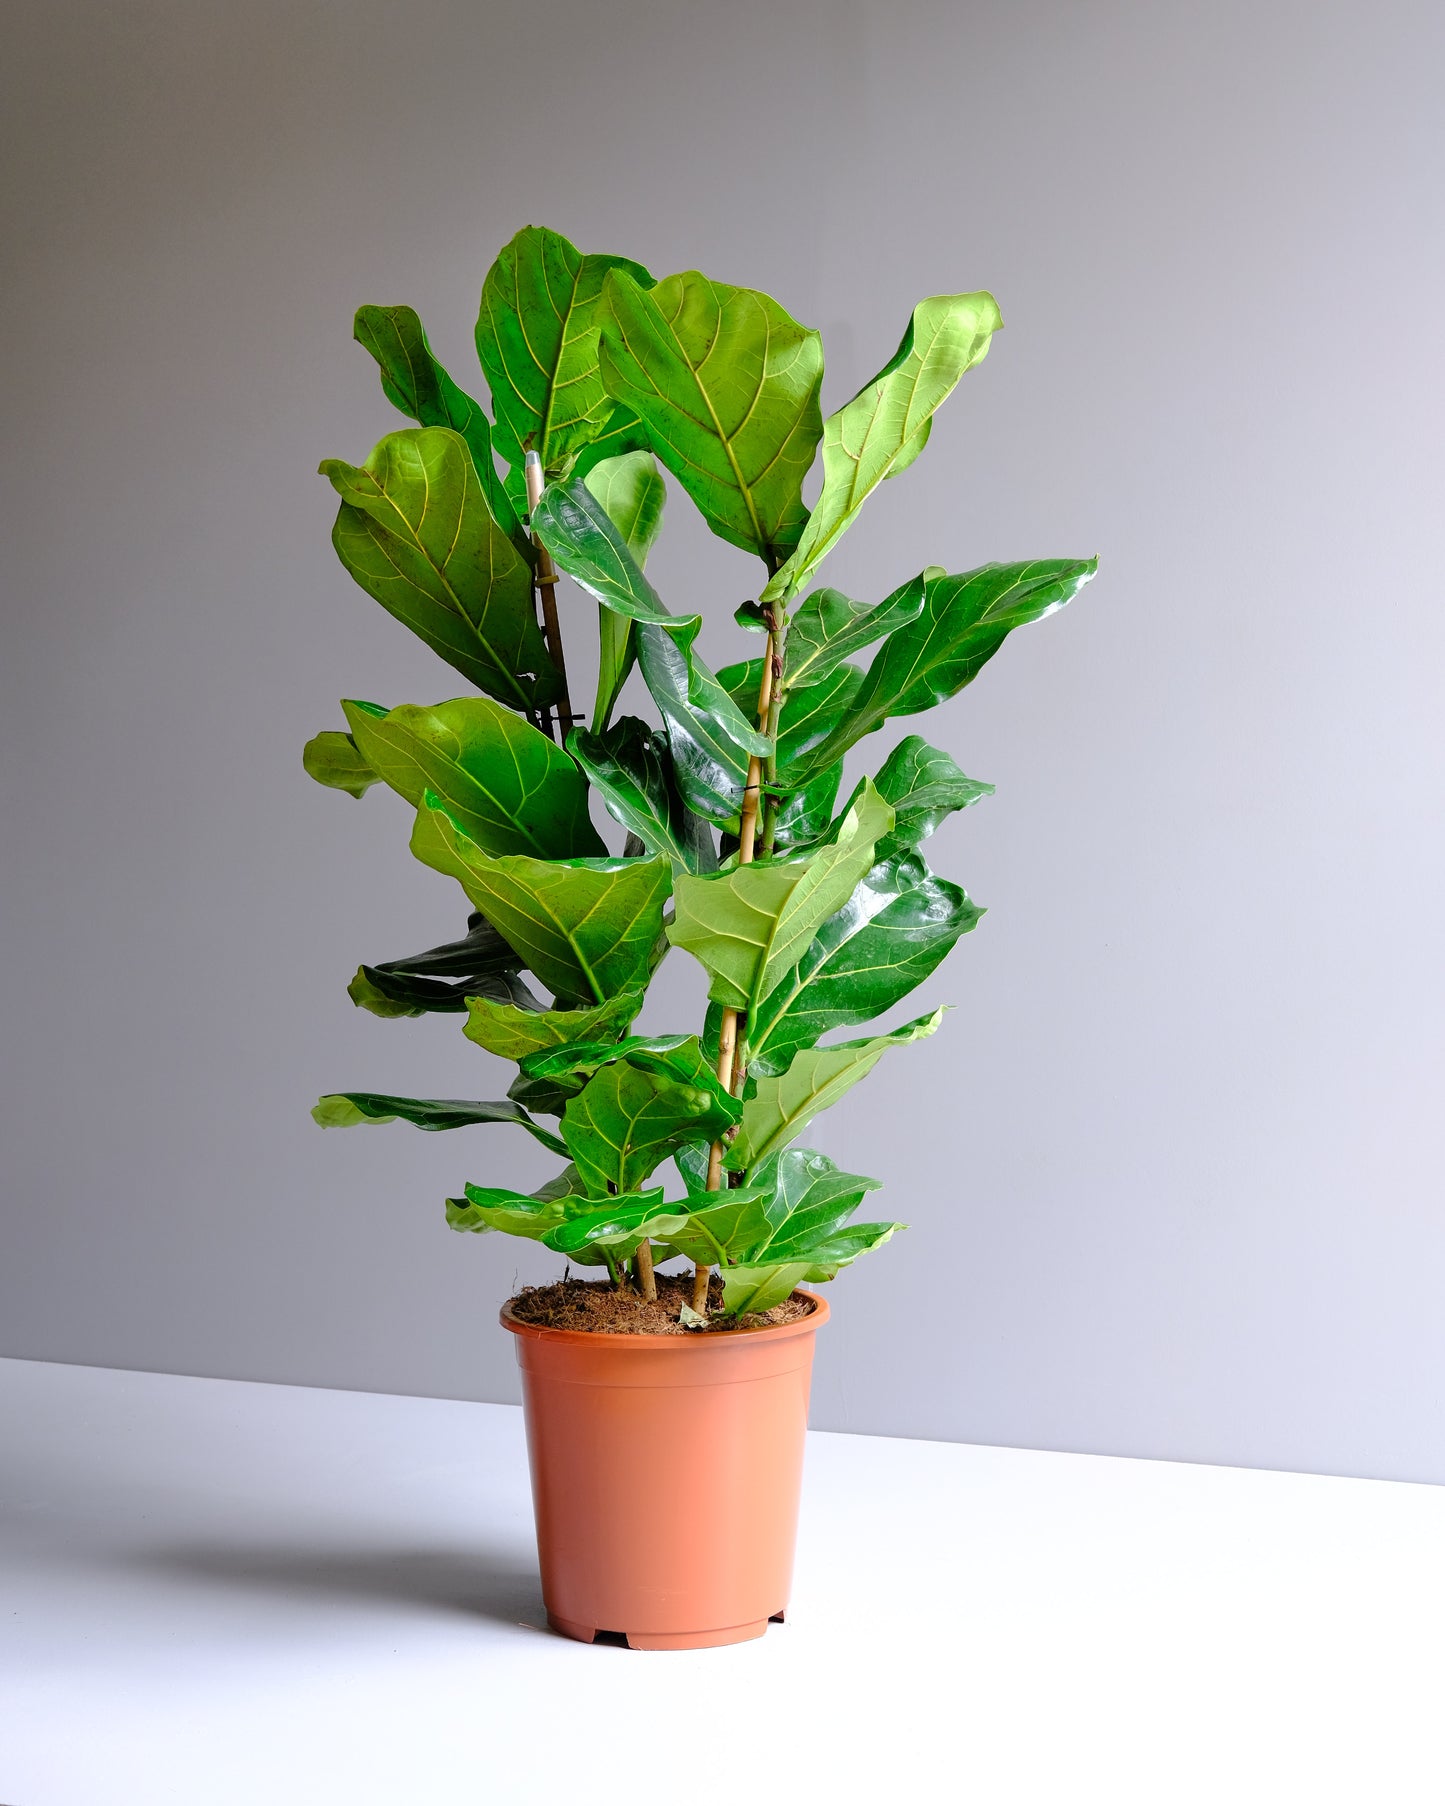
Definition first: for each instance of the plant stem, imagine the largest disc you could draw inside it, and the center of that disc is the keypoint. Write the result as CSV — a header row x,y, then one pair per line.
x,y
546,584
643,1273
777,649
729,1070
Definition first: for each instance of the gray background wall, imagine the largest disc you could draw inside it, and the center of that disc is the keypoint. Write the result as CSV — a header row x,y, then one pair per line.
x,y
1173,1164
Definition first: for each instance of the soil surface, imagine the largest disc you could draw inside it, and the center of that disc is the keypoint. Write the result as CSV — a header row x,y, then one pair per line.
x,y
593,1304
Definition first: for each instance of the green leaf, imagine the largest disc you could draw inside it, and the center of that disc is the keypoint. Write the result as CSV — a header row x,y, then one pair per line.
x,y
502,781
588,928
514,1033
843,1248
413,380
891,934
675,1057
726,383
811,1197
626,1120
747,1290
804,814
630,767
345,1109
333,759
924,785
631,492
397,994
811,712
885,426
829,627
818,1076
490,1207
965,620
750,925
415,532
710,739
723,1227
537,341
619,1223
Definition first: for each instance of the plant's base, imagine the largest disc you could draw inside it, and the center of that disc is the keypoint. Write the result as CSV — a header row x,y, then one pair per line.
x,y
686,1639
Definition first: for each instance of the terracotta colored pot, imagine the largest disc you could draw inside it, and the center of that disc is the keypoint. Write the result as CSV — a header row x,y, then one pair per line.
x,y
665,1477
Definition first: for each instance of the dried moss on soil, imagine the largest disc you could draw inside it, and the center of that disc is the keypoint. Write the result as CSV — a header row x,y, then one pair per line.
x,y
593,1304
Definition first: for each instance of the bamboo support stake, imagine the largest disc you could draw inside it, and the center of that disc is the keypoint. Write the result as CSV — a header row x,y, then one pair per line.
x,y
729,1070
547,590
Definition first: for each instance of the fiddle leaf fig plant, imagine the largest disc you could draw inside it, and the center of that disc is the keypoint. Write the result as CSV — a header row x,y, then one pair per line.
x,y
587,848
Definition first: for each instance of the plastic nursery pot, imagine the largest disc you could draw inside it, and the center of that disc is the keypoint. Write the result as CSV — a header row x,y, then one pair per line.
x,y
665,1477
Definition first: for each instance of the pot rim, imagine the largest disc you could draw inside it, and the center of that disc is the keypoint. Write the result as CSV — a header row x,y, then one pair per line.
x,y
776,1332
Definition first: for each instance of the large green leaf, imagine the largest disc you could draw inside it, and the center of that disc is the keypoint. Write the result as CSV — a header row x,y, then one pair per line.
x,y
631,492
397,994
514,1033
924,785
750,925
726,383
710,738
413,380
828,627
885,426
810,714
844,1246
618,1224
334,759
497,1208
588,928
537,341
416,533
722,1225
809,1198
965,620
630,768
747,1290
896,929
345,1109
783,1106
502,781
626,1120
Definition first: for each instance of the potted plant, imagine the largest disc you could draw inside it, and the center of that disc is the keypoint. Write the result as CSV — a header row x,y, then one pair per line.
x,y
666,1492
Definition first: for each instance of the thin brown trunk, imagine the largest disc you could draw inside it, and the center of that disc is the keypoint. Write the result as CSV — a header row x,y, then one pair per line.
x,y
728,1070
643,1273
546,582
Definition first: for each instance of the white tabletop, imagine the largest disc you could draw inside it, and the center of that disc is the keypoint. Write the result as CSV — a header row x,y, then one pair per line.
x,y
224,1594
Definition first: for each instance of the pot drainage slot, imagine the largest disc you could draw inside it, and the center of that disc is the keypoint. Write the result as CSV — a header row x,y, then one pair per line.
x,y
617,1638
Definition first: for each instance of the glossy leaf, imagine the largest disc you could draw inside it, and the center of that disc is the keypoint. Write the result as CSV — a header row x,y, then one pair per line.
x,y
811,712
396,994
924,785
965,620
844,1246
415,532
750,925
334,759
726,383
492,1207
588,928
631,492
747,1290
805,814
345,1109
625,1121
619,1223
828,627
502,781
413,380
513,1033
537,341
721,1225
810,1197
782,1107
886,424
891,934
710,738
630,768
